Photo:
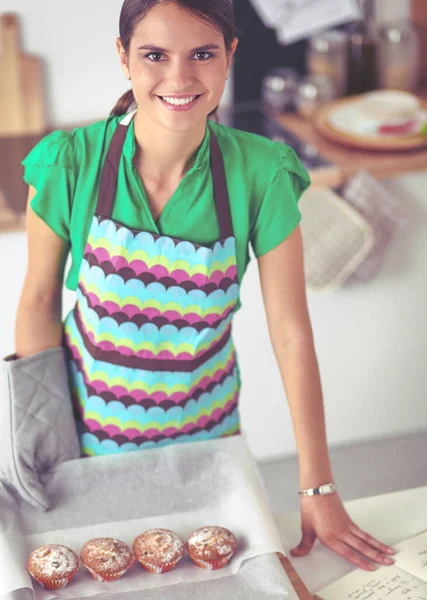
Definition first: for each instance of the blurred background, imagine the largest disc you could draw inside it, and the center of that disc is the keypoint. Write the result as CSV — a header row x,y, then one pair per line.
x,y
345,84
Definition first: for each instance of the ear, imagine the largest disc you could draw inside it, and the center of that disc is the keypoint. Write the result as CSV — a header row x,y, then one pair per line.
x,y
123,57
231,54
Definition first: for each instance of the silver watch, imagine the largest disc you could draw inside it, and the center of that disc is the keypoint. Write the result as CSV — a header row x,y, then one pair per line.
x,y
322,490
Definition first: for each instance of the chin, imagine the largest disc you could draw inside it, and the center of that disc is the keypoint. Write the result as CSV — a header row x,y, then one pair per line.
x,y
181,128
182,123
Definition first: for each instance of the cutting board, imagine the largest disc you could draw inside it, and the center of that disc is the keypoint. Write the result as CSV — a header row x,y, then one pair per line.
x,y
9,219
21,98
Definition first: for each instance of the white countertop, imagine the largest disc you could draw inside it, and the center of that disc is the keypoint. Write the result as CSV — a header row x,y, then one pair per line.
x,y
390,518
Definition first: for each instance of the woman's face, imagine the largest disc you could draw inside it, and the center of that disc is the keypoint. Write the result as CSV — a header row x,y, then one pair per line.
x,y
178,65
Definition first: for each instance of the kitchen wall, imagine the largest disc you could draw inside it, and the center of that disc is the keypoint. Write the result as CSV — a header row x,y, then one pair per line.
x,y
370,339
77,42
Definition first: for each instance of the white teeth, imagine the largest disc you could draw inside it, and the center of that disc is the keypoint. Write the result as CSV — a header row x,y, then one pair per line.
x,y
179,101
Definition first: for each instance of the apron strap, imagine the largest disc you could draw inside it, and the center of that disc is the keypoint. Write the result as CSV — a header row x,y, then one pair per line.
x,y
110,172
222,200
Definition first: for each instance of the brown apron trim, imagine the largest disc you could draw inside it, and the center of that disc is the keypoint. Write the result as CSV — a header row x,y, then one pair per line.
x,y
147,403
110,172
108,187
221,197
149,364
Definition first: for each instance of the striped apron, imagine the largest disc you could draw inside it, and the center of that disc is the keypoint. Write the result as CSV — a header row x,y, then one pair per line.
x,y
151,358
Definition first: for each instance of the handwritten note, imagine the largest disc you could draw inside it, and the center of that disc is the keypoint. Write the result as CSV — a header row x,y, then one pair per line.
x,y
297,19
406,580
387,583
412,556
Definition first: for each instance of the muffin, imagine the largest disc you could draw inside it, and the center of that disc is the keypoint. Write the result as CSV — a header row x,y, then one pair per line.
x,y
211,547
106,559
158,550
53,566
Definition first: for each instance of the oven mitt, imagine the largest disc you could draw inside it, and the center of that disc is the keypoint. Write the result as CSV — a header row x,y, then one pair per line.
x,y
37,427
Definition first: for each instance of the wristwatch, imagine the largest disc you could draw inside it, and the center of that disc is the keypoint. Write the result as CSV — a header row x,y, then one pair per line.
x,y
322,490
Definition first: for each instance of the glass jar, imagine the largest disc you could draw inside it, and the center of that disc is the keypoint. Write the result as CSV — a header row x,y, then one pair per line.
x,y
314,91
279,88
362,66
327,55
399,56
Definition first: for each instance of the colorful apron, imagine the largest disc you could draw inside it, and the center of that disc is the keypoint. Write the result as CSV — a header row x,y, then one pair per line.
x,y
150,354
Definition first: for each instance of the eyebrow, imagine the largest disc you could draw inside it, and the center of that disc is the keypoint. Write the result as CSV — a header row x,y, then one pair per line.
x,y
200,49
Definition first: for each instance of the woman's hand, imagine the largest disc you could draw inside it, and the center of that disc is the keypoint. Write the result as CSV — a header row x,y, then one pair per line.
x,y
325,518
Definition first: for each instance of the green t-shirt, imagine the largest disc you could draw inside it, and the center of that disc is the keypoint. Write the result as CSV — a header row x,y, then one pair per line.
x,y
265,180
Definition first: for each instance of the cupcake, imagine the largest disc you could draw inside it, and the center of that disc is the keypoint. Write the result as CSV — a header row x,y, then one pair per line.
x,y
53,566
211,547
158,550
106,559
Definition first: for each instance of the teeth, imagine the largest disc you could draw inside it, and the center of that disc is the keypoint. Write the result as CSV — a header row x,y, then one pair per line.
x,y
179,101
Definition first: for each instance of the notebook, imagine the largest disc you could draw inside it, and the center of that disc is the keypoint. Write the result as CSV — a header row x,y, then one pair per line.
x,y
406,579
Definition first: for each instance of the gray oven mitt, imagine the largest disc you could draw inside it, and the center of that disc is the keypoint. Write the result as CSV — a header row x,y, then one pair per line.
x,y
37,427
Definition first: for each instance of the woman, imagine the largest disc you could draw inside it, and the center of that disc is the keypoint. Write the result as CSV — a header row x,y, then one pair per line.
x,y
158,207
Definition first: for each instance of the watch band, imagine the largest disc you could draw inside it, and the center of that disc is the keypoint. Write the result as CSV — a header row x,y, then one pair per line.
x,y
322,490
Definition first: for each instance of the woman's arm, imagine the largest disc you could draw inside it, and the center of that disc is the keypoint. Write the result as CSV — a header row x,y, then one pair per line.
x,y
283,288
39,320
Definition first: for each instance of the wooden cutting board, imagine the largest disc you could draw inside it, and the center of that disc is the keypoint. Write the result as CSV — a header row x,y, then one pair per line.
x,y
298,585
21,98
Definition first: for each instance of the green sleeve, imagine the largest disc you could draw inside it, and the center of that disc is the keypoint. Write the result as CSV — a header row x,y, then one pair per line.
x,y
278,213
49,169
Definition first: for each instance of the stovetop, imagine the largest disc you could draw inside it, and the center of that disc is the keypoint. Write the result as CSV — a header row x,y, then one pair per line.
x,y
250,116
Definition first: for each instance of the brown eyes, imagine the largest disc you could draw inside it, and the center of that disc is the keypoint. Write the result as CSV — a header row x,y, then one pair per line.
x,y
159,56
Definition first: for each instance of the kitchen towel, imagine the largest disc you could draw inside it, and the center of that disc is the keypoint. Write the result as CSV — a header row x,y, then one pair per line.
x,y
297,19
384,212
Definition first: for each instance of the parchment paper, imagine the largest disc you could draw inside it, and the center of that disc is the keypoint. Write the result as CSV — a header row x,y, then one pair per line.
x,y
180,487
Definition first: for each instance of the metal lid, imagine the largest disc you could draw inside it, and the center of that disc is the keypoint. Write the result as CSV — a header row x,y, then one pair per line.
x,y
398,33
281,78
329,40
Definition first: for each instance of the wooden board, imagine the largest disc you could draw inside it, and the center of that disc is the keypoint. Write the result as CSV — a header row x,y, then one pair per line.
x,y
21,98
371,143
294,578
9,219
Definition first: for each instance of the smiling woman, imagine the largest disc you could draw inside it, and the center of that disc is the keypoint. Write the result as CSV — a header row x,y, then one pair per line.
x,y
136,28
159,205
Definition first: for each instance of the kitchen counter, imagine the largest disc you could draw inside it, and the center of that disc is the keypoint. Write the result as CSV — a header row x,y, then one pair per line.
x,y
347,161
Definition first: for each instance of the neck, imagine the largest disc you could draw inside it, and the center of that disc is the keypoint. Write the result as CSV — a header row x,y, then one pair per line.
x,y
162,153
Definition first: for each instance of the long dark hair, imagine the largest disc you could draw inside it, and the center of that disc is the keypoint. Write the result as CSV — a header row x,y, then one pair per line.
x,y
218,13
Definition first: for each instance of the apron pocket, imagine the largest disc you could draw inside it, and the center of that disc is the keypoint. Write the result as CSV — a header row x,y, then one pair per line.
x,y
37,427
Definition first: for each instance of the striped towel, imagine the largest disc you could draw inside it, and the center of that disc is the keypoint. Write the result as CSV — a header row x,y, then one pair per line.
x,y
383,211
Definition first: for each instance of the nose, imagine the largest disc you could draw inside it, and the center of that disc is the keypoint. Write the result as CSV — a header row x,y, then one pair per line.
x,y
180,76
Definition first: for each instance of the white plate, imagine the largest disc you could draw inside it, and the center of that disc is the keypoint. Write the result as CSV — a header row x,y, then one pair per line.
x,y
349,119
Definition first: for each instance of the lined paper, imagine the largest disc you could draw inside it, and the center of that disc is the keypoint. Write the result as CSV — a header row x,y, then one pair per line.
x,y
407,579
386,583
412,556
